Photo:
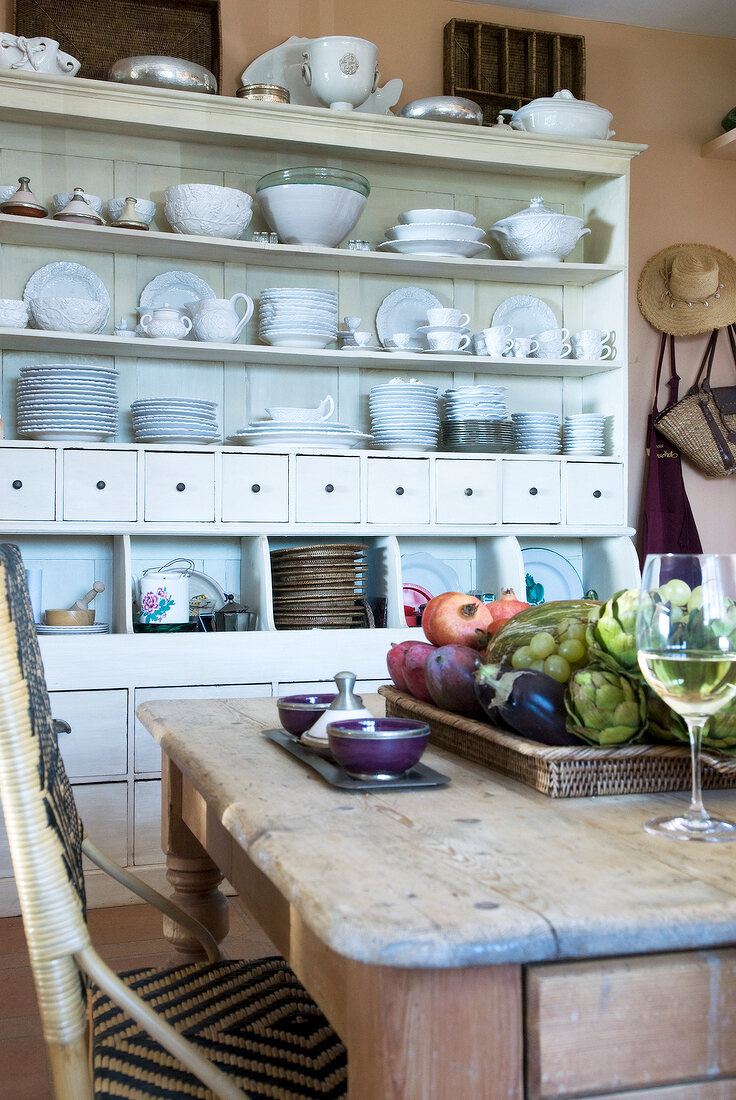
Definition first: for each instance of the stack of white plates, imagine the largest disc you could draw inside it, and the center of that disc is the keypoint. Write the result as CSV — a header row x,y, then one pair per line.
x,y
67,401
447,233
536,433
404,416
584,434
478,435
306,436
475,403
96,628
298,318
175,420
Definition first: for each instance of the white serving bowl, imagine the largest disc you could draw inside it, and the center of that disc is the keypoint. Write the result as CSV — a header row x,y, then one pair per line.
x,y
458,217
312,205
434,231
145,209
6,190
13,313
562,114
68,314
63,198
207,210
538,234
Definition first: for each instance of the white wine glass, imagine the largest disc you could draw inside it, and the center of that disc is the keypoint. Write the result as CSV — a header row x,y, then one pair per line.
x,y
686,643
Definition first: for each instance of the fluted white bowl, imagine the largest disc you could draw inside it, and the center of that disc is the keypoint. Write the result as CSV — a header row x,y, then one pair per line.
x,y
144,208
207,210
68,314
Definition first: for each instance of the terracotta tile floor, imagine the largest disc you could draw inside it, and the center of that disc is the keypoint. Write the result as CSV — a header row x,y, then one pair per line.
x,y
126,937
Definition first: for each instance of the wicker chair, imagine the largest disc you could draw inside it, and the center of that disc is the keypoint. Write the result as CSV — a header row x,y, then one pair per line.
x,y
222,1028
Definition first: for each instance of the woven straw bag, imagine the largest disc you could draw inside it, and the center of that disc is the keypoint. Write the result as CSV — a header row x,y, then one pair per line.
x,y
703,424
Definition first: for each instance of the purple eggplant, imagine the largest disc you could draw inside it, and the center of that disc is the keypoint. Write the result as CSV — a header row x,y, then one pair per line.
x,y
524,701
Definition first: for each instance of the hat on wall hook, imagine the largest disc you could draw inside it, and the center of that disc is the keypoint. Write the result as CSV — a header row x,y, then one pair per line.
x,y
687,289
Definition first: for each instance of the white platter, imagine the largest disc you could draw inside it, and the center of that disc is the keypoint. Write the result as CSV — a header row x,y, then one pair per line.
x,y
405,310
174,288
558,576
64,279
526,315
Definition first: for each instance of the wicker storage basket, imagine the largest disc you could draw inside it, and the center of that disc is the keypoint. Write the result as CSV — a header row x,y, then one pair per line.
x,y
500,66
557,772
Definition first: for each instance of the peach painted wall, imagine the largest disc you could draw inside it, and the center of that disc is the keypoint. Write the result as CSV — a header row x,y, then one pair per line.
x,y
664,89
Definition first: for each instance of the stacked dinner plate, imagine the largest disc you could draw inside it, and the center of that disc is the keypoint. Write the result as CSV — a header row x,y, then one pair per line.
x,y
67,401
319,586
297,317
584,434
175,420
96,628
475,403
435,233
404,416
474,419
316,436
536,433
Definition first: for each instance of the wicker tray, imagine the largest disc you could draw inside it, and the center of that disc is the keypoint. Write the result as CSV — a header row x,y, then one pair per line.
x,y
500,66
558,772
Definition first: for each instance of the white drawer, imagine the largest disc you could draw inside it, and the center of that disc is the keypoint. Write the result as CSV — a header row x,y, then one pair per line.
x,y
179,486
255,488
595,493
466,491
98,742
398,490
531,492
100,485
147,823
27,488
103,807
327,489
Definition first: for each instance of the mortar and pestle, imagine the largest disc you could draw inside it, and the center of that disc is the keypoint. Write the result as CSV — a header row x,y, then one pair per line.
x,y
79,614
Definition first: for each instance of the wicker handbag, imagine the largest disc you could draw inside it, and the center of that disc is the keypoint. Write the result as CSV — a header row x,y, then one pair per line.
x,y
703,424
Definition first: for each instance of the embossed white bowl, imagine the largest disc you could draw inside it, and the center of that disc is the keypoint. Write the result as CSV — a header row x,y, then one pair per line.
x,y
68,314
207,210
144,208
13,313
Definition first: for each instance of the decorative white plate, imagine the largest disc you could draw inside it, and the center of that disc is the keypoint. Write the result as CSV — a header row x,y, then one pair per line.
x,y
174,288
526,315
430,572
441,248
67,280
405,310
558,577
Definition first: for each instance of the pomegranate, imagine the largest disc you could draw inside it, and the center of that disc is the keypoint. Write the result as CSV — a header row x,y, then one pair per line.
x,y
454,618
503,608
413,669
395,662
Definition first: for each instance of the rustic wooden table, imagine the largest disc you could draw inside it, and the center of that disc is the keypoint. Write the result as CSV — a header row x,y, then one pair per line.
x,y
478,941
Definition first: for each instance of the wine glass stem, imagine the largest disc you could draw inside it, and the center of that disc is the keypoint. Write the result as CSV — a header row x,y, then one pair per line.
x,y
696,811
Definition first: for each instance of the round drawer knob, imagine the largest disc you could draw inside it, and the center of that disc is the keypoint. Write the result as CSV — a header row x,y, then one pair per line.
x,y
17,484
533,491
399,490
180,486
255,488
597,493
329,488
468,492
100,484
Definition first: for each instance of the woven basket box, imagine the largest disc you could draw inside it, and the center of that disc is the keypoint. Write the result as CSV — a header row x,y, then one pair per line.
x,y
557,772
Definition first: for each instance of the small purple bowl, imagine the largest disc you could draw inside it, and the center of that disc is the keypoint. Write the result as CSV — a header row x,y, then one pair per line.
x,y
298,713
377,748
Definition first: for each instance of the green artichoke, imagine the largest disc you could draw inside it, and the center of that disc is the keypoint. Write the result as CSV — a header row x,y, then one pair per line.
x,y
663,724
605,707
614,631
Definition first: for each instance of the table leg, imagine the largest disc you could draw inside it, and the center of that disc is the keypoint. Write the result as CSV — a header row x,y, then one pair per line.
x,y
191,872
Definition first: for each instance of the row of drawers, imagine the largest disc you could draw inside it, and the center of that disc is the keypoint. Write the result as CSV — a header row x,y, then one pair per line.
x,y
153,486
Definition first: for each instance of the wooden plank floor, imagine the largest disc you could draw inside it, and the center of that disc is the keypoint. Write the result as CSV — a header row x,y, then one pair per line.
x,y
126,937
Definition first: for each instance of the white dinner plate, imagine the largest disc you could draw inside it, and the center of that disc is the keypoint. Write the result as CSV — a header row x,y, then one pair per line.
x,y
558,577
432,573
405,310
174,288
526,315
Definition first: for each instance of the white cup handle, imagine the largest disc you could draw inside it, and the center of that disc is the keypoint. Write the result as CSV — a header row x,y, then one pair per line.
x,y
509,329
306,70
565,350
606,352
564,333
464,341
376,78
246,316
329,403
464,320
534,347
605,336
187,322
508,345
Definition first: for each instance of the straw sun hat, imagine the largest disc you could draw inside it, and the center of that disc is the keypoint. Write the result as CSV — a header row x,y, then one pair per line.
x,y
688,288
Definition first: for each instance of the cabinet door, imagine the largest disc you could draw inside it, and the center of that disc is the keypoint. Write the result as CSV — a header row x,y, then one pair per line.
x,y
466,491
27,489
255,488
327,489
98,742
398,490
147,823
595,493
179,486
103,807
531,492
100,485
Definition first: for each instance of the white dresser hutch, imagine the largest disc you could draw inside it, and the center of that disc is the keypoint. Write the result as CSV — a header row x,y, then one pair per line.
x,y
106,511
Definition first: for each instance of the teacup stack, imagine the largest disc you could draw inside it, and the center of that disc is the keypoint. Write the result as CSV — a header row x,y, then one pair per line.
x,y
552,344
592,343
446,331
404,416
494,341
584,434
536,433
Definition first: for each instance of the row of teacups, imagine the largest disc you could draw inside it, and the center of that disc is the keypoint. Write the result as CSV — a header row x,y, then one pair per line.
x,y
556,343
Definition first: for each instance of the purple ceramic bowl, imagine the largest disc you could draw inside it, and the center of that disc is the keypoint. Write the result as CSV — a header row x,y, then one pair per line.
x,y
377,748
299,712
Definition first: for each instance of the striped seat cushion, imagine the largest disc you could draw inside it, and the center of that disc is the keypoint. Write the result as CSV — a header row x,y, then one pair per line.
x,y
253,1019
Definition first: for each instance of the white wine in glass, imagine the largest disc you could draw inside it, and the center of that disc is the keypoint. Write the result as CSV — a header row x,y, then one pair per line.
x,y
686,642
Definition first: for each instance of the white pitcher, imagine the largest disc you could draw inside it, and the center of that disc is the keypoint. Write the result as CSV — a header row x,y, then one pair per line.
x,y
216,319
163,595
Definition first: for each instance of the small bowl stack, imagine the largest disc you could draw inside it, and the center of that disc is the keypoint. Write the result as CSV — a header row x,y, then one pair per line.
x,y
319,586
434,232
175,420
536,433
584,434
297,317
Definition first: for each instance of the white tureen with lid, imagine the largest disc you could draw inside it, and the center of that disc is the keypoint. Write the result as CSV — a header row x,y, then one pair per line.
x,y
538,233
564,115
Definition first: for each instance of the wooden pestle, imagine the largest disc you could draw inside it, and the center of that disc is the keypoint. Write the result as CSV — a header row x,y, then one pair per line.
x,y
81,605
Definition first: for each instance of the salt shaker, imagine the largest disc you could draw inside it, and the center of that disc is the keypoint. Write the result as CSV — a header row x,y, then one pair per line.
x,y
345,705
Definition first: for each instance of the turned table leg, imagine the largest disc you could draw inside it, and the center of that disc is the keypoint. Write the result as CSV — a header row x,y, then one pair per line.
x,y
193,875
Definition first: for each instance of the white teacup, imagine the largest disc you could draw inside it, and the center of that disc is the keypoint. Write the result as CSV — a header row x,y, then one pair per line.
x,y
599,334
479,344
363,339
351,323
590,343
447,340
497,339
13,313
523,347
552,346
400,341
449,318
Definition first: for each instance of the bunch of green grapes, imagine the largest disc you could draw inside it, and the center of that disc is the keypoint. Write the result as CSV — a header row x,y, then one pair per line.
x,y
558,657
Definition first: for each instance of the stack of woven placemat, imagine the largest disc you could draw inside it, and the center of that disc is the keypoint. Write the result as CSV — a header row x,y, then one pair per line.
x,y
322,585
